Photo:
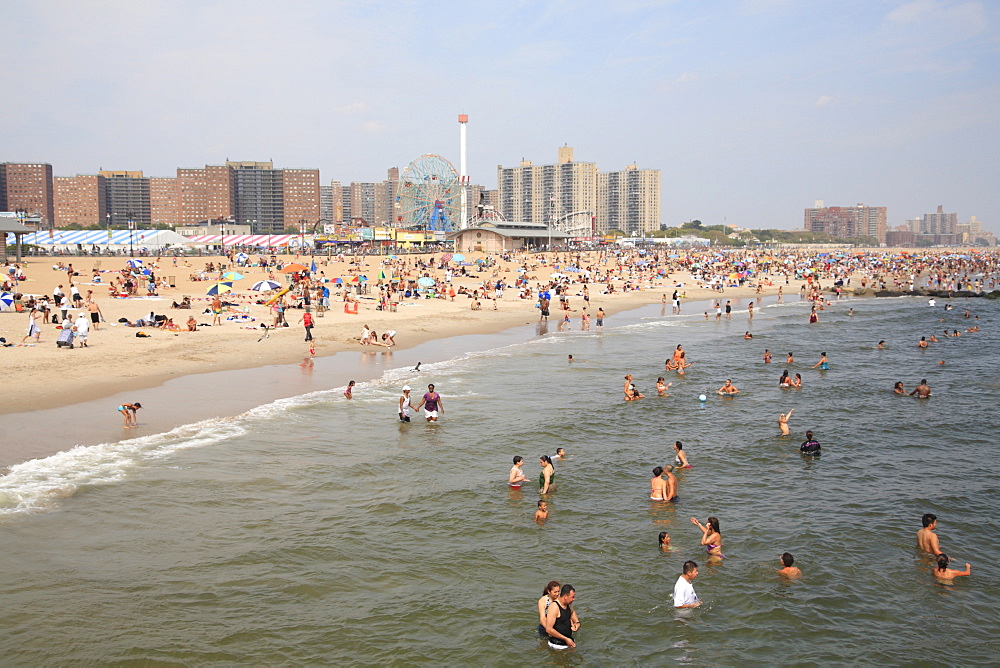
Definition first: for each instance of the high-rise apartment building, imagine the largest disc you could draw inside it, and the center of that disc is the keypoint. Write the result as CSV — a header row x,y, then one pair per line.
x,y
28,187
300,192
940,222
192,188
544,193
127,197
848,222
164,200
80,199
259,197
628,201
363,201
326,203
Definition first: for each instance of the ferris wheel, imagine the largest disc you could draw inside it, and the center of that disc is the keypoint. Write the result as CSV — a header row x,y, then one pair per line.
x,y
429,195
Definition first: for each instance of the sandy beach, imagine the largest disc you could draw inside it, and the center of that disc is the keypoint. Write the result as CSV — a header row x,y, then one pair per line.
x,y
43,376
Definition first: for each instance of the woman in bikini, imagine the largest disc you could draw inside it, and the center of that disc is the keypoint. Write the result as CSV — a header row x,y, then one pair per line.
x,y
550,595
658,486
711,537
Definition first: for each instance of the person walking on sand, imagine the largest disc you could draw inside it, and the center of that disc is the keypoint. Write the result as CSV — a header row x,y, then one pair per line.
x,y
307,322
95,313
34,315
216,310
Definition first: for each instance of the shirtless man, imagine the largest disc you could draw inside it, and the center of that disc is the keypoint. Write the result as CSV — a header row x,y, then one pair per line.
x,y
95,313
728,389
927,540
658,486
922,343
787,570
783,422
923,391
671,482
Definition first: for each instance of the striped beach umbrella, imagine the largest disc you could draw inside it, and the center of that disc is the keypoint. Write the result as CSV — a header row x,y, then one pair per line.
x,y
219,288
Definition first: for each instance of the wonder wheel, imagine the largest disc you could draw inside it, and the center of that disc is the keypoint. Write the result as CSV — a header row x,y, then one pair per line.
x,y
429,195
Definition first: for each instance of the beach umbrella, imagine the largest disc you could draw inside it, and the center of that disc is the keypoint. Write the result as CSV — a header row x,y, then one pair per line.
x,y
425,281
292,268
6,299
338,280
385,275
219,288
458,257
446,257
232,276
147,272
134,263
242,257
264,286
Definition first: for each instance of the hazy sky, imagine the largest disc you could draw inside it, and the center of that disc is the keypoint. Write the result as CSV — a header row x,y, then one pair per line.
x,y
752,109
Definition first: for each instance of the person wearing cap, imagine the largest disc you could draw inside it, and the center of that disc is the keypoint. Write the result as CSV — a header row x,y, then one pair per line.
x,y
404,405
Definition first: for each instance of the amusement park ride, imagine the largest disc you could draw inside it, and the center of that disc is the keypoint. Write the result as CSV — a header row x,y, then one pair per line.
x,y
429,195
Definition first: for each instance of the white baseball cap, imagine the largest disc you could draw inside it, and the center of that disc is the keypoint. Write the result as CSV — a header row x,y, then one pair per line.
x,y
406,388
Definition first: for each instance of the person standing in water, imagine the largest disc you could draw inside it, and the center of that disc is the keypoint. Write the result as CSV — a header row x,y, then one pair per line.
x,y
547,478
680,458
823,363
658,486
516,477
927,540
405,405
561,620
548,598
432,404
684,595
783,422
787,570
711,536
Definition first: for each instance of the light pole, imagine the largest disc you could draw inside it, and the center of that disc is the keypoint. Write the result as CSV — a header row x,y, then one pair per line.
x,y
131,227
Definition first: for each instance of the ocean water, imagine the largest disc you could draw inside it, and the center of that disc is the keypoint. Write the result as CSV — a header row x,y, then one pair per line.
x,y
316,530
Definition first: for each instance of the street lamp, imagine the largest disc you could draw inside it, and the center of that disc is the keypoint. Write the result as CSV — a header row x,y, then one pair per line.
x,y
131,227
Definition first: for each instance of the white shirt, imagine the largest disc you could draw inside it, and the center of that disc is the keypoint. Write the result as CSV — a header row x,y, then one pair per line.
x,y
82,326
684,593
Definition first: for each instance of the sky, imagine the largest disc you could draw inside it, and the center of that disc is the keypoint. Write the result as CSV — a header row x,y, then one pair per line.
x,y
751,109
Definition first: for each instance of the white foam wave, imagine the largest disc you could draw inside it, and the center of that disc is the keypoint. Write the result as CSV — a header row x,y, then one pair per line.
x,y
39,485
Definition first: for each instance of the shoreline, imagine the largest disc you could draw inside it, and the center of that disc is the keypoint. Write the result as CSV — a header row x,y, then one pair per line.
x,y
192,398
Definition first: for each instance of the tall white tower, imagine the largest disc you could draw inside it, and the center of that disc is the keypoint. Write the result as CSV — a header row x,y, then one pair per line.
x,y
463,174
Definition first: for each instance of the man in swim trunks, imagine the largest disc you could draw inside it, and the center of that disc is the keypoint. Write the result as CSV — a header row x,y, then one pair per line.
x,y
432,404
923,390
728,389
561,620
927,540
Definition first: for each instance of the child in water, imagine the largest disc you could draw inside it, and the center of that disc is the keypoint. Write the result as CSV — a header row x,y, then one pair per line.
x,y
542,513
348,392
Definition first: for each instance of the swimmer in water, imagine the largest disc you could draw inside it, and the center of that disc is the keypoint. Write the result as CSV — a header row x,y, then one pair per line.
x,y
881,344
728,389
933,339
546,479
661,388
783,422
942,572
711,536
628,382
349,391
823,363
682,364
785,380
680,458
767,356
748,335
632,394
657,485
790,360
542,513
516,477
898,388
664,542
560,453
923,390
787,570
797,381
922,343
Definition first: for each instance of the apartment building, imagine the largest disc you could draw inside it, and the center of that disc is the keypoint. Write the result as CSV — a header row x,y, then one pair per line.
x,y
80,199
847,222
628,201
28,187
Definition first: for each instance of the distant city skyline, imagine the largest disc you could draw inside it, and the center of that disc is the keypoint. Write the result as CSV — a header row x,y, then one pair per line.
x,y
751,109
